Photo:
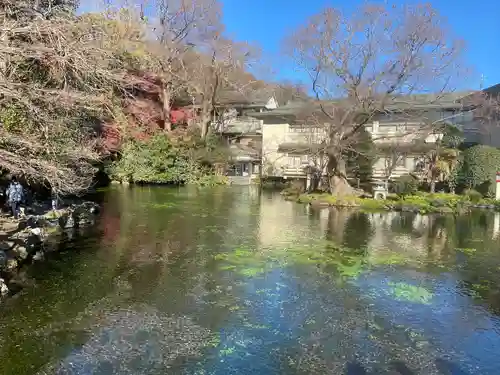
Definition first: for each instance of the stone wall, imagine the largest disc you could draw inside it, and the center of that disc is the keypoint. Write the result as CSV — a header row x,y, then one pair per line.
x,y
25,241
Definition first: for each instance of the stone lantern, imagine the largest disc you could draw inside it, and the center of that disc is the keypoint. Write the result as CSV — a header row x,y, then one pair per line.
x,y
380,192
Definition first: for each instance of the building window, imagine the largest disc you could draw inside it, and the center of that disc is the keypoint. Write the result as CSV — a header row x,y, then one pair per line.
x,y
397,161
297,161
418,164
401,128
304,129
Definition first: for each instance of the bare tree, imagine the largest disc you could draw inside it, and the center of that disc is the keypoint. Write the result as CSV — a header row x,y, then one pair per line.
x,y
219,77
182,25
287,92
394,156
483,115
58,82
41,9
369,64
198,63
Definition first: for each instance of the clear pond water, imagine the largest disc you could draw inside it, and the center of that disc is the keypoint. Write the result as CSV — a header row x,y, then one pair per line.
x,y
234,281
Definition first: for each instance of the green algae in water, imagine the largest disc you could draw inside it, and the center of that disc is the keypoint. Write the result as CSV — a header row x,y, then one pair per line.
x,y
255,326
349,264
252,272
253,263
410,293
352,271
244,262
263,291
480,287
160,206
227,351
466,250
214,341
228,268
388,260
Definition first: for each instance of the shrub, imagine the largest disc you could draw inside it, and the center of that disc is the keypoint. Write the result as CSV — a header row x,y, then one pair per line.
x,y
479,167
292,191
361,157
374,204
473,195
405,185
160,160
211,180
415,203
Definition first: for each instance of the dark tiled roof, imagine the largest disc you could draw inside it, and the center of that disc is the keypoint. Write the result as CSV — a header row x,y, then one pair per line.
x,y
242,151
493,90
382,148
404,147
300,148
398,103
242,125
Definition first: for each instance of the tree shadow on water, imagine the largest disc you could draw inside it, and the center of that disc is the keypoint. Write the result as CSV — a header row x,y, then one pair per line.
x,y
400,368
355,368
446,367
396,368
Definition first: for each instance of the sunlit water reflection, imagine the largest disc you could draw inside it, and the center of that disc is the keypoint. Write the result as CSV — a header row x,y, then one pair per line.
x,y
232,281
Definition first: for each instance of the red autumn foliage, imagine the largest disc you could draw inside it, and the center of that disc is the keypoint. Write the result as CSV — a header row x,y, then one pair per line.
x,y
142,106
181,115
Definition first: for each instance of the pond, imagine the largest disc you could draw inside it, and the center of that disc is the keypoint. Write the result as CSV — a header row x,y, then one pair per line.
x,y
232,280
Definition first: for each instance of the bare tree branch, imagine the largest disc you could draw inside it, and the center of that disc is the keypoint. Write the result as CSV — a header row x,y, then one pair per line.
x,y
378,62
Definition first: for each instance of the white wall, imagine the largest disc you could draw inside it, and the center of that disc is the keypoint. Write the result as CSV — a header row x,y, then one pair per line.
x,y
379,168
274,163
272,136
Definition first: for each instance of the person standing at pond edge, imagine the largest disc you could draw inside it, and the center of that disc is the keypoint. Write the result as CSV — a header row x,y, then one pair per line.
x,y
14,196
55,199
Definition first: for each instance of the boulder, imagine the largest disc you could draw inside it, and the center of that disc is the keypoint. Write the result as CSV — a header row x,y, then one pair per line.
x,y
33,242
11,264
319,204
39,255
3,259
445,210
25,237
20,252
78,216
36,232
4,290
6,245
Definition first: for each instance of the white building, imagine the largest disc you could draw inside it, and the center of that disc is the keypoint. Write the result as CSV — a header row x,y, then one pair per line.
x,y
289,143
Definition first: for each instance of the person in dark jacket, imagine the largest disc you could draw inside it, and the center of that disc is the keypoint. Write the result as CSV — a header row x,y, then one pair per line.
x,y
15,193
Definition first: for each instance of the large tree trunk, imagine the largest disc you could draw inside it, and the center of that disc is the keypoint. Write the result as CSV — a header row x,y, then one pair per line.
x,y
314,182
339,186
166,99
206,117
433,186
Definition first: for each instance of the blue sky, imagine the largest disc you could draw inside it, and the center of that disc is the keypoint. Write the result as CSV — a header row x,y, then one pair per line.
x,y
266,22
